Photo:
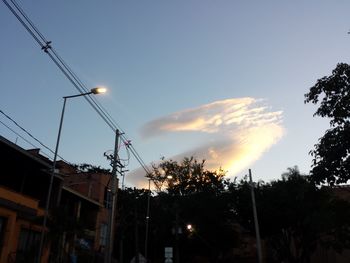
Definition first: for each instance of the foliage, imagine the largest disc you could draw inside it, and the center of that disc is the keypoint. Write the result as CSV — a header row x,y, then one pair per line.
x,y
331,163
187,177
295,216
132,205
194,196
89,168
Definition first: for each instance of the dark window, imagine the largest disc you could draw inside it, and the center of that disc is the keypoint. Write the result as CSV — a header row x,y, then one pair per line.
x,y
3,221
103,235
28,245
107,197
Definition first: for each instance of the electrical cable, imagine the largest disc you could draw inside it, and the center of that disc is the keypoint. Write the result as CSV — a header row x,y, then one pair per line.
x,y
30,135
71,76
28,20
22,22
88,97
107,116
24,139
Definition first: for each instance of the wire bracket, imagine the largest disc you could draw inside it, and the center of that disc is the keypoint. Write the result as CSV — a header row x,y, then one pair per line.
x,y
47,46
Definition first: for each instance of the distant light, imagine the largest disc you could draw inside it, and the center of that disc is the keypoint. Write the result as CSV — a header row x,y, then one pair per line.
x,y
99,90
169,177
189,227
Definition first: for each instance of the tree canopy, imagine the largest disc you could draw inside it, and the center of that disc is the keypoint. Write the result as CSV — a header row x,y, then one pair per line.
x,y
331,163
295,216
89,168
187,177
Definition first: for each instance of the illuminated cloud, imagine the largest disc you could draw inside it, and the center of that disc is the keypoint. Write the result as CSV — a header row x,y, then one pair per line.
x,y
240,131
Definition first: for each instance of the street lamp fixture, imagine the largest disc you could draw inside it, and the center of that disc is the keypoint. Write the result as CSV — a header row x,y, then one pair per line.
x,y
97,90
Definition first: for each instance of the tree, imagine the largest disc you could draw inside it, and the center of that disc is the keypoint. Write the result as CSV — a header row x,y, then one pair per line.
x,y
295,217
187,177
130,227
331,163
89,168
190,194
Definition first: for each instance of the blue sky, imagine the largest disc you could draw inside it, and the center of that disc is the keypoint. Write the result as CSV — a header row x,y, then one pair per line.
x,y
160,59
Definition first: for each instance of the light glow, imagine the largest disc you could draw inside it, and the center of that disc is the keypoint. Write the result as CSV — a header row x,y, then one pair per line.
x,y
99,90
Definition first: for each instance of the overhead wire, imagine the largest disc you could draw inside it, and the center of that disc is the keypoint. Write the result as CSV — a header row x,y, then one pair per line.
x,y
65,69
72,77
22,22
28,20
24,139
30,135
81,86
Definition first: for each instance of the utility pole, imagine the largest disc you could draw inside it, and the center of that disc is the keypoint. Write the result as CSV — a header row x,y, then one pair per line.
x,y
113,200
147,218
137,252
256,223
177,232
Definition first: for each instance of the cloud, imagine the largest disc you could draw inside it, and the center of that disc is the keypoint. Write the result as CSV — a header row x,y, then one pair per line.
x,y
240,130
207,118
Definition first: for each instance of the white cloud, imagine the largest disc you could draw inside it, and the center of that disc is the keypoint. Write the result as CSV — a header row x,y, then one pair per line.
x,y
240,131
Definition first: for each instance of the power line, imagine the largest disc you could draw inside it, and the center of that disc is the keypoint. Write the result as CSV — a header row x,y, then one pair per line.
x,y
28,20
65,69
24,139
29,134
70,75
22,22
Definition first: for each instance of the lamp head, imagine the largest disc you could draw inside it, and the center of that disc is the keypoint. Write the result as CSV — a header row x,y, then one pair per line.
x,y
98,90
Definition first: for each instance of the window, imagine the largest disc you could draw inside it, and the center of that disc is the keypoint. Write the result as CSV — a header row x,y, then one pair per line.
x,y
28,244
3,222
107,197
103,235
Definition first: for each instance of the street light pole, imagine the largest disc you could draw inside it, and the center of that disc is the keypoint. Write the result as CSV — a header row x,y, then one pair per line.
x,y
256,222
147,218
53,168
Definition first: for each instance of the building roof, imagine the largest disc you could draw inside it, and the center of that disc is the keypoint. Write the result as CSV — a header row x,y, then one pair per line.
x,y
30,154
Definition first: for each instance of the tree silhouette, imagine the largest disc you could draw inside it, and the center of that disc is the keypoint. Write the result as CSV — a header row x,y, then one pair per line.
x,y
187,177
331,163
295,217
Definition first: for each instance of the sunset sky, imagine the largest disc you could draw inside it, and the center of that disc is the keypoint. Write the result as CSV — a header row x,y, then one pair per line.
x,y
222,80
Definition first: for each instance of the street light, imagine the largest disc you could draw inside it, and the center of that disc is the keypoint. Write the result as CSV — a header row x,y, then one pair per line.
x,y
147,217
97,90
169,177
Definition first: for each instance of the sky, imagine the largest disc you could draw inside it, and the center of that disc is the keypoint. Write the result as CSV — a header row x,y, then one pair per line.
x,y
220,80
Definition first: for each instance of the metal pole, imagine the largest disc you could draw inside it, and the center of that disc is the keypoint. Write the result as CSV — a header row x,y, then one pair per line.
x,y
52,174
114,186
177,252
147,218
256,223
137,252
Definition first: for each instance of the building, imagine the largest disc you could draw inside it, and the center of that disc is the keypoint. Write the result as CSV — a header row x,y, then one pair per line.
x,y
77,223
84,195
24,182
